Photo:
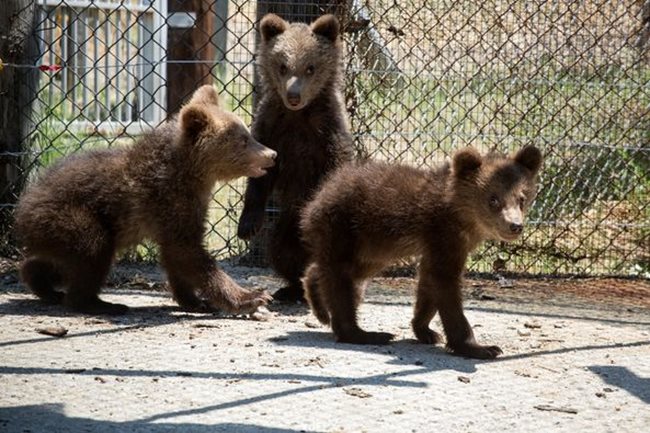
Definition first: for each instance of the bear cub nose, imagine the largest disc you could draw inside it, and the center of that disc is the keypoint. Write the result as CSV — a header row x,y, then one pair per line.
x,y
293,98
516,228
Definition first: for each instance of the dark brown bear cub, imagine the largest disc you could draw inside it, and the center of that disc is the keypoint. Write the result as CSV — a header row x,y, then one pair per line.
x,y
88,206
301,115
365,217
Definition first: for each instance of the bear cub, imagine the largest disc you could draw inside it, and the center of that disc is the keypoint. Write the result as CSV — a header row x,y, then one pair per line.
x,y
366,217
86,207
301,115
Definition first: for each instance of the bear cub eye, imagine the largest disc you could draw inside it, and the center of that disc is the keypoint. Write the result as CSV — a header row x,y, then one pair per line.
x,y
309,70
283,69
495,204
522,202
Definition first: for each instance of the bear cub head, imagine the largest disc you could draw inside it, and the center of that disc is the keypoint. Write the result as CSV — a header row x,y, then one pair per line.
x,y
220,146
298,61
494,191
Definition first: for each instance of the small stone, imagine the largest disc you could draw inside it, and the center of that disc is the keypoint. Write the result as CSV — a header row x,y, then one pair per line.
x,y
356,392
54,331
463,379
261,315
504,283
549,408
523,333
532,325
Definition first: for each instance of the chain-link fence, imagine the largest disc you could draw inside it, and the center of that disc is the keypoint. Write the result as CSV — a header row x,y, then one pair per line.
x,y
423,78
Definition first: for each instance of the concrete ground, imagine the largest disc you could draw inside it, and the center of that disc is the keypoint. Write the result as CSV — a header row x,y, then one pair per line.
x,y
570,364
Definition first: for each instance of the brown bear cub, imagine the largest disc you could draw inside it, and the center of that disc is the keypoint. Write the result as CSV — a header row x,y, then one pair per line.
x,y
88,206
367,216
302,116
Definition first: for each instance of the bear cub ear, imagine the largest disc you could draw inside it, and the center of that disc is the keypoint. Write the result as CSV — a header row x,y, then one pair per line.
x,y
530,157
326,26
271,26
205,94
466,162
193,120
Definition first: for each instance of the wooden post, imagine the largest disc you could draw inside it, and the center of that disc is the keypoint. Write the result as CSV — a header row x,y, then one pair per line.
x,y
18,46
189,38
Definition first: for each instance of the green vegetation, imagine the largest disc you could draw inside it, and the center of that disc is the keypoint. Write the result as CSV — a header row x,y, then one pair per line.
x,y
592,214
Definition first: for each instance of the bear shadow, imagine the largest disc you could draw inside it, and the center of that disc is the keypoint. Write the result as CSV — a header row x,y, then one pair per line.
x,y
405,352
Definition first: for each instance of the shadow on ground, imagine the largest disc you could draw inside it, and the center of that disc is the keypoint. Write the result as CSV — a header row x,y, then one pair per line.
x,y
50,418
622,377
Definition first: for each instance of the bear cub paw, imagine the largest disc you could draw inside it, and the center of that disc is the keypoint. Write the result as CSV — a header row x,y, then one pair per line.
x,y
426,335
248,302
475,350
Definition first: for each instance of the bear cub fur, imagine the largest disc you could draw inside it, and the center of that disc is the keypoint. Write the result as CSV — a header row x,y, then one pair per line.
x,y
366,217
301,115
86,207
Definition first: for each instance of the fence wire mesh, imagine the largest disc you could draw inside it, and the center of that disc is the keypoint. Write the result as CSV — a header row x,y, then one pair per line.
x,y
423,78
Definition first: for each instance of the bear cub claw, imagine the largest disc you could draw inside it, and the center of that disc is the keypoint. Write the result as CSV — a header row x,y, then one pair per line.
x,y
249,302
475,350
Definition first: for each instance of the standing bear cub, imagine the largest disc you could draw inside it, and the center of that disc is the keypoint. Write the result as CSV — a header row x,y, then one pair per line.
x,y
367,216
301,114
88,206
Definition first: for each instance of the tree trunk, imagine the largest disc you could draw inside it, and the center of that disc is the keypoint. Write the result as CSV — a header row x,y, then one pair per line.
x,y
187,44
18,86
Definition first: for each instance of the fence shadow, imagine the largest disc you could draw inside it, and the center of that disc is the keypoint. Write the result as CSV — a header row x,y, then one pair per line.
x,y
623,378
315,383
48,418
137,318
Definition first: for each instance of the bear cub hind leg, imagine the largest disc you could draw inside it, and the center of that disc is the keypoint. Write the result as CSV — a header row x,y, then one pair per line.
x,y
42,277
342,295
85,277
